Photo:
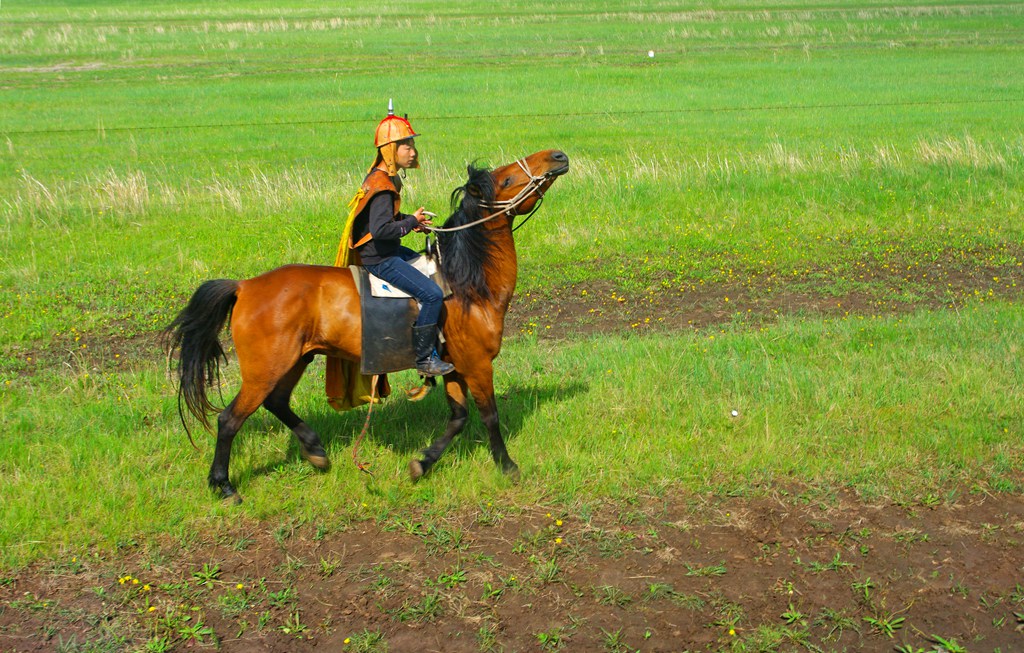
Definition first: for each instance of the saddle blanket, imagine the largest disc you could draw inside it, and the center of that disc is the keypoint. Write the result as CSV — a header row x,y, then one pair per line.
x,y
428,266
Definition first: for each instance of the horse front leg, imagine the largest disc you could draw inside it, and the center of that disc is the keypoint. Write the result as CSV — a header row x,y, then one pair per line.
x,y
489,415
455,387
481,386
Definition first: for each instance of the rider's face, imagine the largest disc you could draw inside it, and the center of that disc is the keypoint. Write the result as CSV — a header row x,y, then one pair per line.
x,y
405,154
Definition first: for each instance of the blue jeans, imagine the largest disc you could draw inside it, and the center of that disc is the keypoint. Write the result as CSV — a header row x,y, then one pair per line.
x,y
396,271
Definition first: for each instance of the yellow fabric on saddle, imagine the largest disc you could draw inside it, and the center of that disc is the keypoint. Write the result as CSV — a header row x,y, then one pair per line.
x,y
346,387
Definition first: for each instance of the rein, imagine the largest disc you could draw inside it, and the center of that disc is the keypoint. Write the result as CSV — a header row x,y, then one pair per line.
x,y
527,218
365,467
507,207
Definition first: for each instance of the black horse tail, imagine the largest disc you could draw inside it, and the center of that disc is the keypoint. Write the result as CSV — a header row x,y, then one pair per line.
x,y
195,334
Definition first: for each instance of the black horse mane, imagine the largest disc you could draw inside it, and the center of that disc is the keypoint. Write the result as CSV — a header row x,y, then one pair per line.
x,y
466,252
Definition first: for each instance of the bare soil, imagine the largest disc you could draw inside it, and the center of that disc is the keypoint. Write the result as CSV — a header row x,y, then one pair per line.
x,y
803,569
660,302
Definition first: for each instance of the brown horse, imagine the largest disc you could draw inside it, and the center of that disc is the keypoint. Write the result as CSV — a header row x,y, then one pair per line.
x,y
281,319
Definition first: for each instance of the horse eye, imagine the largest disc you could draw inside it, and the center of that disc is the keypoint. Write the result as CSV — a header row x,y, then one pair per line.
x,y
507,182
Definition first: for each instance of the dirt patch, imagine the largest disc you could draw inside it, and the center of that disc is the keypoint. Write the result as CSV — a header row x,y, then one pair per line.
x,y
86,352
59,68
664,303
796,570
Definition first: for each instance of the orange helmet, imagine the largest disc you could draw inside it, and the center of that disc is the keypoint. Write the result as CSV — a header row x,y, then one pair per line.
x,y
390,132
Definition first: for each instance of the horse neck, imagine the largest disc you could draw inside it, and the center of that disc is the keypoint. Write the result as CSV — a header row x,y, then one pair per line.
x,y
503,267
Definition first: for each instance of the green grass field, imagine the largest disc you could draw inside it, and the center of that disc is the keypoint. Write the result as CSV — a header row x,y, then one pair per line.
x,y
764,146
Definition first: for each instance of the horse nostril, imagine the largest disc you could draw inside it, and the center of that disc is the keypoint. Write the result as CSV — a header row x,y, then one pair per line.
x,y
559,156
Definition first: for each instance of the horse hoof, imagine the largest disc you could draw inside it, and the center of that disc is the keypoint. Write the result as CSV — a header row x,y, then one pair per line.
x,y
323,463
512,473
416,470
228,495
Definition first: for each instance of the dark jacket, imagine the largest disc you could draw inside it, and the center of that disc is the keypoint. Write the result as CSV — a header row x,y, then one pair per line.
x,y
381,219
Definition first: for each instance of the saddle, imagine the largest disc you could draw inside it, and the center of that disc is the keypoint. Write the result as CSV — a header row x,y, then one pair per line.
x,y
387,316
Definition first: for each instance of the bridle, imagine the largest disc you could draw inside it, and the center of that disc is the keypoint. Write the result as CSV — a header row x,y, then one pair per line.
x,y
507,207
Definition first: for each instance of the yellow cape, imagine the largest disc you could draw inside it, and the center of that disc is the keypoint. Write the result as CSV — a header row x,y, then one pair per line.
x,y
346,387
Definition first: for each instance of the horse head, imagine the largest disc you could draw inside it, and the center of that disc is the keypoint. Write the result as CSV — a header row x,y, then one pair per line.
x,y
519,186
508,191
483,208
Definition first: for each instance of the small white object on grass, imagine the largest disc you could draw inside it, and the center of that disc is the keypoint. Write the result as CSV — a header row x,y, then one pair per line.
x,y
650,53
735,413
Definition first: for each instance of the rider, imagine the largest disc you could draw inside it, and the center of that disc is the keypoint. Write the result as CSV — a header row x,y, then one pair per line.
x,y
379,227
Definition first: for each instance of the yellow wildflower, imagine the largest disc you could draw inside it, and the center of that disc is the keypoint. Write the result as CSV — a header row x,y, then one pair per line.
x,y
239,586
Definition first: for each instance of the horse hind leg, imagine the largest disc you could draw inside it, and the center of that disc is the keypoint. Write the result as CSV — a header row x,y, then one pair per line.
x,y
278,402
229,422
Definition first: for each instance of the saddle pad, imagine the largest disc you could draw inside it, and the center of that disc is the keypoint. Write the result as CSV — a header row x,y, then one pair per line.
x,y
428,266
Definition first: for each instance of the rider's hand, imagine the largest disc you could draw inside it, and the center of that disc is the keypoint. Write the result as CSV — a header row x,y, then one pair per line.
x,y
422,219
